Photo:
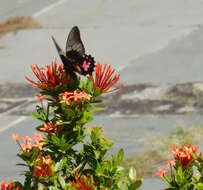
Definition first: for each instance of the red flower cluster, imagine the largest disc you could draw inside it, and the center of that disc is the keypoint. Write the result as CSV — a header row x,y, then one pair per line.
x,y
103,78
43,167
5,186
74,96
49,127
161,173
52,76
83,183
184,154
29,143
171,163
98,127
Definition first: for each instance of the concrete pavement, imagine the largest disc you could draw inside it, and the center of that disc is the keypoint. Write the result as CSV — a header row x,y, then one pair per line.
x,y
13,8
115,33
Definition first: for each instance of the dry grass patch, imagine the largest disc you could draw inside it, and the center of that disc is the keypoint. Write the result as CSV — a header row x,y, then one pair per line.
x,y
2,47
18,23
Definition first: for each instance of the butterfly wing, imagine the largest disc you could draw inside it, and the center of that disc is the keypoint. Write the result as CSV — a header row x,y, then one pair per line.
x,y
74,42
75,59
66,62
60,51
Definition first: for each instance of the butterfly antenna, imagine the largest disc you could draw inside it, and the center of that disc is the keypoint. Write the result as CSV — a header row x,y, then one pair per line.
x,y
60,51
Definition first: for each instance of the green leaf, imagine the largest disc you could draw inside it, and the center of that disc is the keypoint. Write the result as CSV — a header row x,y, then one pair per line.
x,y
188,173
167,179
36,116
179,175
100,108
89,129
94,135
96,154
89,119
62,122
86,117
199,186
40,115
41,112
119,156
53,188
97,92
67,111
89,85
40,188
97,167
59,165
17,184
62,181
132,174
135,185
180,171
27,182
35,154
55,140
97,101
120,169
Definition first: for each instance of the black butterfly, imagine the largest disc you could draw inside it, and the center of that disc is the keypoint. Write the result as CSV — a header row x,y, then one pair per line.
x,y
75,59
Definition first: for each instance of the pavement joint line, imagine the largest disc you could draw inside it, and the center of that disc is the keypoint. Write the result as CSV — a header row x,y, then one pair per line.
x,y
13,123
17,107
184,34
46,9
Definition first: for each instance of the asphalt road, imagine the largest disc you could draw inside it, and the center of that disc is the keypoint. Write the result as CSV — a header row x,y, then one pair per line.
x,y
157,41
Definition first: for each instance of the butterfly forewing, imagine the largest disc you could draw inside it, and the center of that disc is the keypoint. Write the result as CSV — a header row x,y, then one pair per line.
x,y
74,42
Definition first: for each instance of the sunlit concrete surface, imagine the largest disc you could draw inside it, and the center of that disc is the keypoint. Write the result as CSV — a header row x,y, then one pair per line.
x,y
120,33
13,8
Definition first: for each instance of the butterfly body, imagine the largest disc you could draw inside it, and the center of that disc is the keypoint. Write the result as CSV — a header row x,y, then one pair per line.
x,y
75,59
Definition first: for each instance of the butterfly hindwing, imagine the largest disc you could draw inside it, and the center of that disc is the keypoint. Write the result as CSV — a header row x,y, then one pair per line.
x,y
74,42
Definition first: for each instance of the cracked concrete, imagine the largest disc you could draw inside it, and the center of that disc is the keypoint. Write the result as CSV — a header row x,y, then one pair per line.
x,y
156,99
131,100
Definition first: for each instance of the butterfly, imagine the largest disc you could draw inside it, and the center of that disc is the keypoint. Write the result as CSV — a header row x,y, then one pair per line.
x,y
75,59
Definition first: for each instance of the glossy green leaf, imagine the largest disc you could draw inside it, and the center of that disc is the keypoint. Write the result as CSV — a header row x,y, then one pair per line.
x,y
62,181
119,156
135,185
132,173
59,165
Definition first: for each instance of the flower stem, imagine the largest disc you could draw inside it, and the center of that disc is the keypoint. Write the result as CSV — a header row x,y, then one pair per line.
x,y
35,183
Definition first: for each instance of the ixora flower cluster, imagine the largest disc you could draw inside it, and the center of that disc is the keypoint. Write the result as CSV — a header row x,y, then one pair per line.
x,y
53,160
182,169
